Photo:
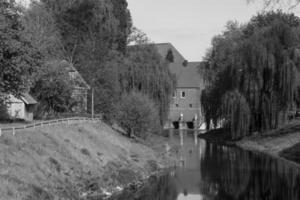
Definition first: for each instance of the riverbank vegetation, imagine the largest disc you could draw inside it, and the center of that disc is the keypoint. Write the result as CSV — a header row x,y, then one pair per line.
x,y
93,36
83,161
251,74
138,115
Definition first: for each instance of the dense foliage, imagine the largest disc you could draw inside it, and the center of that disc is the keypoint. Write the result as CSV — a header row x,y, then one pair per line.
x,y
251,73
53,90
149,73
19,60
93,36
41,30
138,115
89,30
142,70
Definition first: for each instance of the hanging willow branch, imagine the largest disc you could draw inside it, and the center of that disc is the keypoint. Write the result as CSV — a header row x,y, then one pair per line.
x,y
257,74
235,110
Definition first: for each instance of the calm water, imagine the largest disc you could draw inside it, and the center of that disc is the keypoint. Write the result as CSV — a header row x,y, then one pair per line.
x,y
208,171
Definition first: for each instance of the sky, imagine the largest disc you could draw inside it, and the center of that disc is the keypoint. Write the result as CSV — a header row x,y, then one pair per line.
x,y
189,24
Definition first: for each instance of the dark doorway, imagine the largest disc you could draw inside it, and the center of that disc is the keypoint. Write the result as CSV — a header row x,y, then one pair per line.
x,y
190,125
176,124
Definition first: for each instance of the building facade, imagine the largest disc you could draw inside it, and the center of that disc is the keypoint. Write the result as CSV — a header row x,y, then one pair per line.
x,y
186,99
79,88
22,107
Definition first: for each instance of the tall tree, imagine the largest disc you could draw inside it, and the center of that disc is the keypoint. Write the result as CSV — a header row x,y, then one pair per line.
x,y
41,29
148,72
18,58
123,16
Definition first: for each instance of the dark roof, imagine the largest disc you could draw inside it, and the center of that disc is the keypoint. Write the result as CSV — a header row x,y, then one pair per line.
x,y
28,99
163,49
187,76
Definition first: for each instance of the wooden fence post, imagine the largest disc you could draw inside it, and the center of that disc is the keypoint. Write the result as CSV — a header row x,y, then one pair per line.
x,y
14,131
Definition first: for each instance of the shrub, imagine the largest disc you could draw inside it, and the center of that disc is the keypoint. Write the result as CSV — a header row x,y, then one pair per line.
x,y
55,164
138,115
86,152
53,89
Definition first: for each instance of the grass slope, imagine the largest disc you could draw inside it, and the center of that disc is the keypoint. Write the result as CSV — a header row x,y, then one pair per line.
x,y
73,162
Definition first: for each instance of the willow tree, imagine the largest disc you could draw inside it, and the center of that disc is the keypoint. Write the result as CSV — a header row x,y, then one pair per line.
x,y
255,75
147,72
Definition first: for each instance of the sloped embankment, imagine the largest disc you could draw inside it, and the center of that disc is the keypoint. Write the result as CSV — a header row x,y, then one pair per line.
x,y
283,142
75,162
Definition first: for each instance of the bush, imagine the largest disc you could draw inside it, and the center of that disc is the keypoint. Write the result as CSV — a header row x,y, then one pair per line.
x,y
53,90
138,115
86,152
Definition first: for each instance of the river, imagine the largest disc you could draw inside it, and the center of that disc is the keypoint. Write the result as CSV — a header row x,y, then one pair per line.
x,y
208,171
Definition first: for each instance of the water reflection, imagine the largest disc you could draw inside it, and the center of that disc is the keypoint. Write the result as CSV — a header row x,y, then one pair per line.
x,y
212,172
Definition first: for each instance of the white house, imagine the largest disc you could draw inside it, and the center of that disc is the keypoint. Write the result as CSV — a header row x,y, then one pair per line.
x,y
21,108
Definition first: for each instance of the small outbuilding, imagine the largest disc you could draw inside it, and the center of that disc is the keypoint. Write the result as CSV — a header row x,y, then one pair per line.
x,y
22,107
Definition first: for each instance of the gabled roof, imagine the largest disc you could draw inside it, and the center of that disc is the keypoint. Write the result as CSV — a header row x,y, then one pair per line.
x,y
70,68
187,76
163,49
28,99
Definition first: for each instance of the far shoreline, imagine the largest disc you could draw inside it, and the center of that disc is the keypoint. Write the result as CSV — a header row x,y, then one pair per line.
x,y
282,143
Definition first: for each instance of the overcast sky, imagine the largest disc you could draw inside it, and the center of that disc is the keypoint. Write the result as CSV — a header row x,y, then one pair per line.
x,y
189,24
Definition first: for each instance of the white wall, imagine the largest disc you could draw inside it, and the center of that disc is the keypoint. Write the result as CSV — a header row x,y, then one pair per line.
x,y
16,107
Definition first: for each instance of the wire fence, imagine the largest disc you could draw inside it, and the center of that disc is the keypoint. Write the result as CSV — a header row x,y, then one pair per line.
x,y
65,121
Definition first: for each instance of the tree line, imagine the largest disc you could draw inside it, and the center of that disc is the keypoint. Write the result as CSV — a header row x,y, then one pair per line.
x,y
251,74
93,36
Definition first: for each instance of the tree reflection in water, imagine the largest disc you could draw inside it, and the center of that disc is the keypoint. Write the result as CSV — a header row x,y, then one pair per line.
x,y
223,173
241,175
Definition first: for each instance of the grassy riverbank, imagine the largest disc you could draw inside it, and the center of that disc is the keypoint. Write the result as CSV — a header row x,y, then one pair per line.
x,y
76,162
282,142
276,143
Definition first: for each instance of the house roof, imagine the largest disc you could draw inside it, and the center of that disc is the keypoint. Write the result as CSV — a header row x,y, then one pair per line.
x,y
70,68
28,99
187,76
163,49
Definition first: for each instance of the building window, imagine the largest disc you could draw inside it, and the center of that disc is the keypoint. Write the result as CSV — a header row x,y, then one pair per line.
x,y
182,94
191,105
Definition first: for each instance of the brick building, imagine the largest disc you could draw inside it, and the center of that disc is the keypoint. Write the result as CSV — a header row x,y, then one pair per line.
x,y
186,99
